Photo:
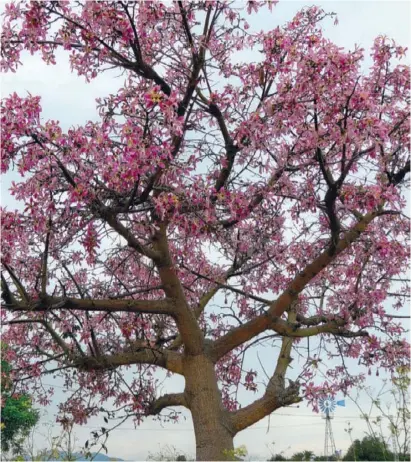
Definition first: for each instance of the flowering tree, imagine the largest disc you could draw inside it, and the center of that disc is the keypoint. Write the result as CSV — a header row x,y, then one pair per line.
x,y
217,205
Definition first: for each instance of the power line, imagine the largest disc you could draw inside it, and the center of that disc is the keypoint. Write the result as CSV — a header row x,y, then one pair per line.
x,y
316,415
261,427
190,429
313,415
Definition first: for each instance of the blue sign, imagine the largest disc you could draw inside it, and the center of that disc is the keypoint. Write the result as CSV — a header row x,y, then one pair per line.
x,y
341,403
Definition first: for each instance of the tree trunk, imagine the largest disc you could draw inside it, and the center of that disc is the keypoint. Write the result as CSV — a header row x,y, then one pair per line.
x,y
212,426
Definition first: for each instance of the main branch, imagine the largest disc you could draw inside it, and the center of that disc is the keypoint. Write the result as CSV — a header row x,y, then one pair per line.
x,y
168,400
270,319
164,306
169,360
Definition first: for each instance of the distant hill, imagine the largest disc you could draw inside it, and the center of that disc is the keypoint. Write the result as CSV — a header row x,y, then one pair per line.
x,y
100,457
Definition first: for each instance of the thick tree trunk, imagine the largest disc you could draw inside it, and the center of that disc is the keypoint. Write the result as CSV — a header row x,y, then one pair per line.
x,y
212,425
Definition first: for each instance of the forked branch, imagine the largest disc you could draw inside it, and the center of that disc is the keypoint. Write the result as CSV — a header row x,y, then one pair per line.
x,y
276,394
270,319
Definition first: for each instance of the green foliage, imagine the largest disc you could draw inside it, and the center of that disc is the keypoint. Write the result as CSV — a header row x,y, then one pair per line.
x,y
369,448
236,454
17,413
278,457
302,455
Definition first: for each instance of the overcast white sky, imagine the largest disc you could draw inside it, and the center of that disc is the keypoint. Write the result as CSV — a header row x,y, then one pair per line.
x,y
68,98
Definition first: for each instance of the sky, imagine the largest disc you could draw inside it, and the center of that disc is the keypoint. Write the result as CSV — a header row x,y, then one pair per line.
x,y
66,97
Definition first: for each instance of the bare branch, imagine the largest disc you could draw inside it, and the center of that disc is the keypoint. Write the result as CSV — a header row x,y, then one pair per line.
x,y
164,306
110,218
185,24
56,337
169,360
20,288
45,259
397,316
396,178
228,287
168,400
276,394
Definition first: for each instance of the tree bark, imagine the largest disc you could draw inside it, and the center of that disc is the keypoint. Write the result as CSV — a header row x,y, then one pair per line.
x,y
212,423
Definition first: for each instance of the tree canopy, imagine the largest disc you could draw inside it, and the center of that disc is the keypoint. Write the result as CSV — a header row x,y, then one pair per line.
x,y
216,205
369,448
17,414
